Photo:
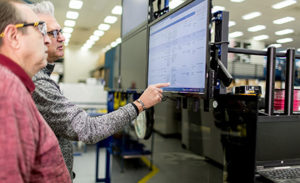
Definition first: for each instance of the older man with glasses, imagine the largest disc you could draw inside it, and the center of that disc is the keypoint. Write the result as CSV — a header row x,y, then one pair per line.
x,y
29,150
68,121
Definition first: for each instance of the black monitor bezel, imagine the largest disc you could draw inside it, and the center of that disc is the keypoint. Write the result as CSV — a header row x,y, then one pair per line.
x,y
204,93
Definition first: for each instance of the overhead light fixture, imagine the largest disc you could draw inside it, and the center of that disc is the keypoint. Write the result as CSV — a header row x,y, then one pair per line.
x,y
110,19
236,34
173,4
284,32
284,4
298,49
90,42
88,46
285,40
256,28
98,33
103,27
72,14
75,4
261,37
69,23
94,38
113,44
68,29
252,15
231,23
67,35
283,20
117,10
237,1
275,45
217,8
119,40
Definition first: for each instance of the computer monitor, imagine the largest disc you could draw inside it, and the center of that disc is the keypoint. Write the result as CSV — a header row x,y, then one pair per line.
x,y
133,70
135,14
178,48
112,68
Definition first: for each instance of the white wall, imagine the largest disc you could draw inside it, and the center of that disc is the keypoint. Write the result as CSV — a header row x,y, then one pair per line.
x,y
78,64
257,45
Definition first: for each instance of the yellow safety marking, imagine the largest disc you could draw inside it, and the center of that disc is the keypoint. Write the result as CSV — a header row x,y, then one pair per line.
x,y
154,171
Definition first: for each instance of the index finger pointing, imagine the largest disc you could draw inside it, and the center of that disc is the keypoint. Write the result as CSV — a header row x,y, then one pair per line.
x,y
160,85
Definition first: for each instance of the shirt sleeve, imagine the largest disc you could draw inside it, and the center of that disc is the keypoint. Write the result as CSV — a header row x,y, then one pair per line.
x,y
73,123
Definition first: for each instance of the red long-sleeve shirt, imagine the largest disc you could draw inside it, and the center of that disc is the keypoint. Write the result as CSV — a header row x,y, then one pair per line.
x,y
29,150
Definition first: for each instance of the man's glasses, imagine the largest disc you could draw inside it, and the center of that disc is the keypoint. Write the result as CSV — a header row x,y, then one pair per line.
x,y
55,33
42,27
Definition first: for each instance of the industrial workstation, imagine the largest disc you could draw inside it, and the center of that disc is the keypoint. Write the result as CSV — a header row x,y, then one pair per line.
x,y
157,91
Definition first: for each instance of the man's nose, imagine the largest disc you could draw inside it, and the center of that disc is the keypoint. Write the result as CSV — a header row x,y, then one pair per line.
x,y
47,40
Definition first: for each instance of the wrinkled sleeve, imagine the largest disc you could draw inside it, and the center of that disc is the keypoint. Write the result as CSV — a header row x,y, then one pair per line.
x,y
73,123
15,162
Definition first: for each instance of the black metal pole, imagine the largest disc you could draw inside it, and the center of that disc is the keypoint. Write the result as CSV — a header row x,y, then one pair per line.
x,y
270,80
289,82
255,52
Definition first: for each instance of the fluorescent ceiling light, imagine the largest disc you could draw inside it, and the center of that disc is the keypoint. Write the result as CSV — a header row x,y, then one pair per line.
x,y
90,42
117,10
75,4
72,14
231,23
285,40
235,34
299,51
283,20
67,35
252,15
283,4
68,29
69,23
261,37
94,38
110,19
119,40
98,33
88,46
107,47
173,4
275,45
256,28
217,8
84,48
113,44
284,32
103,27
237,1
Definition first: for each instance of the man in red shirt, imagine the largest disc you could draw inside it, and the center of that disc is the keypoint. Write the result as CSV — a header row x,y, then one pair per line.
x,y
29,150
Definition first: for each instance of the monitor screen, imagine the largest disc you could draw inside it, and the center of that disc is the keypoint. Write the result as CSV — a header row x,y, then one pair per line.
x,y
135,13
134,61
178,49
112,71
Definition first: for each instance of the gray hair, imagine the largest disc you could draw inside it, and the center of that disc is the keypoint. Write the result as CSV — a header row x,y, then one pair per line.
x,y
44,7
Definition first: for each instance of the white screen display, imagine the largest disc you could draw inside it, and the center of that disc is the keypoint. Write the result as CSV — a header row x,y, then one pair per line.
x,y
135,12
178,49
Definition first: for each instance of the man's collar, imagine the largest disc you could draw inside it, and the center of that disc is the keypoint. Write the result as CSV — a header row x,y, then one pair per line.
x,y
49,68
18,71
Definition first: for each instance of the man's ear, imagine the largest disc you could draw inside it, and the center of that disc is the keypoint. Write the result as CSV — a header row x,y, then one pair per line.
x,y
12,37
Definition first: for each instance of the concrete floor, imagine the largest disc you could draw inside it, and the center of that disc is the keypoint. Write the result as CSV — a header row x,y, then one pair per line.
x,y
172,164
